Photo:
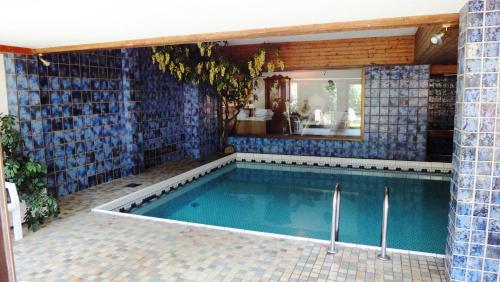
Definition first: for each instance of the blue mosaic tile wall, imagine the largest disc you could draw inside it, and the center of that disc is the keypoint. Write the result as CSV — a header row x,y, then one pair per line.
x,y
73,105
23,95
396,100
153,108
208,134
93,117
201,122
473,244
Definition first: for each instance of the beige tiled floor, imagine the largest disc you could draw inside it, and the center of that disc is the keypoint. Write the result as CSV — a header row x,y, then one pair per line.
x,y
86,246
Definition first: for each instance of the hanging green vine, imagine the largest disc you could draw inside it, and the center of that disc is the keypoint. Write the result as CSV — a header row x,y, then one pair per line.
x,y
205,64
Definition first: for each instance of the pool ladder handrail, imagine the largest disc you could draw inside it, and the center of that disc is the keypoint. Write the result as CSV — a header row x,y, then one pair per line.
x,y
335,219
335,223
385,214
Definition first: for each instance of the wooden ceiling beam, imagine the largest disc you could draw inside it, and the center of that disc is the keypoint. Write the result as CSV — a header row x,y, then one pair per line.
x,y
386,23
443,69
17,50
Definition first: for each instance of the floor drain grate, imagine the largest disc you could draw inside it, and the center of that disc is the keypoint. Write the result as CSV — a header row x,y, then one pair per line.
x,y
133,185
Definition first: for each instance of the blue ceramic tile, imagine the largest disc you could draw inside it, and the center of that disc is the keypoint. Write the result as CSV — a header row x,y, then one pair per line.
x,y
475,263
494,238
474,35
475,5
473,275
476,250
33,82
475,20
22,82
492,5
492,251
10,67
488,95
490,65
458,274
495,211
472,80
478,223
473,65
21,68
492,34
53,83
11,82
491,49
34,98
490,277
492,18
460,261
490,79
495,197
491,265
478,236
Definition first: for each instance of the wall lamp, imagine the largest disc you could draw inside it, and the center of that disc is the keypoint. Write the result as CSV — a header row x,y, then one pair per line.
x,y
43,60
437,39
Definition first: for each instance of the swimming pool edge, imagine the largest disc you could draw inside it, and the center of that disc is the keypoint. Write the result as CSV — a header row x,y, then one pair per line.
x,y
157,189
263,234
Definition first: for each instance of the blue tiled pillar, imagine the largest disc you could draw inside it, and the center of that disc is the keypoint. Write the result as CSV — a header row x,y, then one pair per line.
x,y
201,134
191,117
473,247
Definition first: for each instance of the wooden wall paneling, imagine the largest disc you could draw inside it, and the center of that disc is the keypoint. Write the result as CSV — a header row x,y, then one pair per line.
x,y
335,53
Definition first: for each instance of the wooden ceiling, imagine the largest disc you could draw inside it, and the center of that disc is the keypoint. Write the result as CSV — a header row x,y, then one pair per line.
x,y
428,53
338,53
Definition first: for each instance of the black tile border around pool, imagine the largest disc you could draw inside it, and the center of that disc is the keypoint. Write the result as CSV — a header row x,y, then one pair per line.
x,y
191,175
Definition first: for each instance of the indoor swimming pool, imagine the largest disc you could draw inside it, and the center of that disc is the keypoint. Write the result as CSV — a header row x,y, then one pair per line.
x,y
297,200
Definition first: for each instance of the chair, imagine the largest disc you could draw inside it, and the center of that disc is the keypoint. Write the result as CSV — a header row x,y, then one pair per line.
x,y
14,208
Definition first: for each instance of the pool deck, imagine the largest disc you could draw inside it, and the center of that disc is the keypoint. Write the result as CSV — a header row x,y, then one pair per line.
x,y
82,245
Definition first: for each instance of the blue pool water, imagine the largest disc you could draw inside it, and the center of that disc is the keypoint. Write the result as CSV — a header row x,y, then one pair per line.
x,y
297,201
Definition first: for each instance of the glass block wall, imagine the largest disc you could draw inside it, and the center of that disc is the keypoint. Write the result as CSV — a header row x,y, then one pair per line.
x,y
473,245
96,116
440,117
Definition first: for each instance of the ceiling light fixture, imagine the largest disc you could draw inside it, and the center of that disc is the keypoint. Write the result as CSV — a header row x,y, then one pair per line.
x,y
437,39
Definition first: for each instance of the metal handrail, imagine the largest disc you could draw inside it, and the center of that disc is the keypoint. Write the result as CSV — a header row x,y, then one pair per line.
x,y
383,240
335,219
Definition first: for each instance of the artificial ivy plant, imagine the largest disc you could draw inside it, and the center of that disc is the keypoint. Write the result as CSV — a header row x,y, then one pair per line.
x,y
205,64
27,174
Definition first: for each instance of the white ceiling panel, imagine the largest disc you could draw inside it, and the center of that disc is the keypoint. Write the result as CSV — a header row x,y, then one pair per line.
x,y
49,23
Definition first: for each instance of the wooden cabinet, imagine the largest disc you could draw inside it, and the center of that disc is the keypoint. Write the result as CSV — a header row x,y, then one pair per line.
x,y
277,89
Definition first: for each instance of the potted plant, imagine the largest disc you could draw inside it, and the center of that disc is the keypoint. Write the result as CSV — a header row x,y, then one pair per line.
x,y
28,176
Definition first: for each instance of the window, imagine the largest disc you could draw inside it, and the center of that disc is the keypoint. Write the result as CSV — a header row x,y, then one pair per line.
x,y
324,104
